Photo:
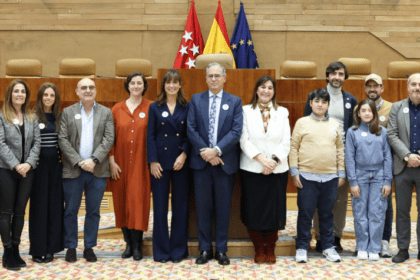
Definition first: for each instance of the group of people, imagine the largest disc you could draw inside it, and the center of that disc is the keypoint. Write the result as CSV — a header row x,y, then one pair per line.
x,y
53,157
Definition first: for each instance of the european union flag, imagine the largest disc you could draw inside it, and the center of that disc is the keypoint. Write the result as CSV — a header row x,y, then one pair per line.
x,y
241,43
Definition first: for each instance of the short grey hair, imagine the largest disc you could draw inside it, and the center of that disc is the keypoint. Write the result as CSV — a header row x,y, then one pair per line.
x,y
216,64
409,77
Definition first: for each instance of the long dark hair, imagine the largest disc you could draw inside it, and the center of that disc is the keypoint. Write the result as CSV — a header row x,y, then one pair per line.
x,y
39,107
171,76
8,110
262,80
374,123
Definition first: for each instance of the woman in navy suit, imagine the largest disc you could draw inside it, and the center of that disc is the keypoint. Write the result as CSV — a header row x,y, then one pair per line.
x,y
167,149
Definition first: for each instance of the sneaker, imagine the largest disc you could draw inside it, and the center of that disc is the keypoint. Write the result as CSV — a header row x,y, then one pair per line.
x,y
373,256
362,255
331,255
385,249
301,256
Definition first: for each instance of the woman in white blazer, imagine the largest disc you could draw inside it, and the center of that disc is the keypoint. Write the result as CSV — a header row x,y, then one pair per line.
x,y
265,144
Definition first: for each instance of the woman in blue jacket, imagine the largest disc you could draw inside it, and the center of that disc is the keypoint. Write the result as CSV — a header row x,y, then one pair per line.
x,y
167,149
369,171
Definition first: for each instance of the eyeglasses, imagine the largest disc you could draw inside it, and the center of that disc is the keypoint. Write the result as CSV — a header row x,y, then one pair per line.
x,y
84,88
216,76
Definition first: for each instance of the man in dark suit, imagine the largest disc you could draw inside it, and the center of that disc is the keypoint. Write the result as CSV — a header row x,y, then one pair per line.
x,y
86,136
404,139
214,127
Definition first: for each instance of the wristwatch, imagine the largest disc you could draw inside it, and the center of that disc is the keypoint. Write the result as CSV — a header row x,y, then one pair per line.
x,y
406,157
276,159
95,160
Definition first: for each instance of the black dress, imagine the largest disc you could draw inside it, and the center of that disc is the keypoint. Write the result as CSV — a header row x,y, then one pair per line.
x,y
47,202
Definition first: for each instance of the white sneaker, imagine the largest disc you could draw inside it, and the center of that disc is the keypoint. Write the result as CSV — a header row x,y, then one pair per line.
x,y
301,256
385,249
362,255
373,256
331,255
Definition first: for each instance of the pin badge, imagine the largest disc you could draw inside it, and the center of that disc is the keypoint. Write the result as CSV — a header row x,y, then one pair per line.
x,y
41,126
348,105
405,110
142,115
15,121
165,114
77,116
382,118
225,107
364,134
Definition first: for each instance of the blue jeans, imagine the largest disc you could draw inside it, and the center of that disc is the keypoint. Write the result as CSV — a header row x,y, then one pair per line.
x,y
369,211
312,196
73,189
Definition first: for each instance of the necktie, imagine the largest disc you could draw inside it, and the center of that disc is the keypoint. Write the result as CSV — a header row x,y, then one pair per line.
x,y
212,121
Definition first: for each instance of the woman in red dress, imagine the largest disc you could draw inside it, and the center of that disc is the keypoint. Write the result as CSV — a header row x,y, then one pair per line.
x,y
128,164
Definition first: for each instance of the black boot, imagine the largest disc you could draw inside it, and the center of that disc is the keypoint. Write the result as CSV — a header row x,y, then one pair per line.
x,y
137,239
18,259
9,261
17,227
127,238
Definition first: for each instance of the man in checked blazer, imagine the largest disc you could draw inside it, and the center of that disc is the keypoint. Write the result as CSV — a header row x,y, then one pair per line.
x,y
214,127
404,139
85,138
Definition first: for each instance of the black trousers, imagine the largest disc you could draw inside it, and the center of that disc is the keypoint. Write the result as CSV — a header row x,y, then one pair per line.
x,y
47,208
14,195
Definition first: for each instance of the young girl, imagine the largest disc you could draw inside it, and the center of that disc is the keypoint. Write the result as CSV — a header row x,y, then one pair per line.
x,y
369,171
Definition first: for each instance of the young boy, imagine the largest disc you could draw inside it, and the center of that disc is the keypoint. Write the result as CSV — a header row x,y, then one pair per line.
x,y
316,161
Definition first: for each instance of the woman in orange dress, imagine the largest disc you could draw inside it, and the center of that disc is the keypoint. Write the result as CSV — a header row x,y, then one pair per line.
x,y
128,164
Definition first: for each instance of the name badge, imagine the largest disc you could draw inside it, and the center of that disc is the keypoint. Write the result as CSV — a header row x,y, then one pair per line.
x,y
333,132
405,110
165,114
364,134
142,115
77,116
225,107
41,126
348,105
15,121
382,118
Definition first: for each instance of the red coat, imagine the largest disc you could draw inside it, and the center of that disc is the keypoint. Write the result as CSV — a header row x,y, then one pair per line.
x,y
131,193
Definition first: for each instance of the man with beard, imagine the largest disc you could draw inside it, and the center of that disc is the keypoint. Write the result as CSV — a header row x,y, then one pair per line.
x,y
341,109
374,89
404,139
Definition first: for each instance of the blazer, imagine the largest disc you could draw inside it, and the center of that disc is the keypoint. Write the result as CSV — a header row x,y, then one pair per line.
x,y
399,134
228,132
166,134
348,112
11,143
69,140
254,139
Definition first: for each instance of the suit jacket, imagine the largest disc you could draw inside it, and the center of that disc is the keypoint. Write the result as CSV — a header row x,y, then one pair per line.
x,y
228,132
11,143
348,112
254,139
399,133
69,140
166,134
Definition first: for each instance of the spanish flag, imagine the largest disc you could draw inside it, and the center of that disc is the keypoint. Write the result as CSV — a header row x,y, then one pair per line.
x,y
218,40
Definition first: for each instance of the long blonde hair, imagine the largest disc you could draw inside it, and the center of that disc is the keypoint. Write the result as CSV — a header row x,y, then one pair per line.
x,y
9,111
